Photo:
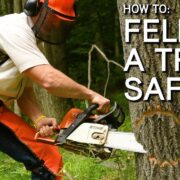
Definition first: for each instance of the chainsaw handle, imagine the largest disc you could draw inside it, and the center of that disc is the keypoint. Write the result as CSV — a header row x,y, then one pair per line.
x,y
38,138
92,107
115,117
46,140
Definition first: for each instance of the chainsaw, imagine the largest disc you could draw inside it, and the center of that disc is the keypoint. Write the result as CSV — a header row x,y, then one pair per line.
x,y
87,133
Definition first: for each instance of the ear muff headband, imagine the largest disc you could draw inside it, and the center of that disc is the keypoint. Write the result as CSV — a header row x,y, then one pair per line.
x,y
32,7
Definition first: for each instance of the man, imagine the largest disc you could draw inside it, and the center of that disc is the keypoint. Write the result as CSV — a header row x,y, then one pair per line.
x,y
22,62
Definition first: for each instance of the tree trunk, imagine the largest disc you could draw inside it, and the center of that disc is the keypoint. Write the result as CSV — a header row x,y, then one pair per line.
x,y
3,7
155,122
18,6
117,38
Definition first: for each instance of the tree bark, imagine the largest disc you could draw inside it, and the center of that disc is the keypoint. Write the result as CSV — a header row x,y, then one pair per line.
x,y
117,38
18,6
3,7
155,122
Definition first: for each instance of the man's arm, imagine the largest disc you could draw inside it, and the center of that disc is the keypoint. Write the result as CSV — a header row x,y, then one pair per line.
x,y
28,105
57,83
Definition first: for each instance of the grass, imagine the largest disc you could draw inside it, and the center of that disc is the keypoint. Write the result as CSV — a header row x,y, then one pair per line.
x,y
78,167
120,167
10,169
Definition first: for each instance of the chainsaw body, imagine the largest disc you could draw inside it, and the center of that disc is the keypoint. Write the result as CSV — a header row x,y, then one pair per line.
x,y
84,132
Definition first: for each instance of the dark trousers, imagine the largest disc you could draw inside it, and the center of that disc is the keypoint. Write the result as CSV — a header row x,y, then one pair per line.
x,y
10,145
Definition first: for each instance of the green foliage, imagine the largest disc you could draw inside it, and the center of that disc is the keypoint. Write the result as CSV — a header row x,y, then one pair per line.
x,y
96,24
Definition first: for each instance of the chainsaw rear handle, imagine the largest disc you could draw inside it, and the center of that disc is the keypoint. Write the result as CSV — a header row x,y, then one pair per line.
x,y
39,138
46,140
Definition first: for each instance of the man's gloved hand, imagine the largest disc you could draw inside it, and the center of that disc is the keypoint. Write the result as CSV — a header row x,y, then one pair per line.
x,y
45,126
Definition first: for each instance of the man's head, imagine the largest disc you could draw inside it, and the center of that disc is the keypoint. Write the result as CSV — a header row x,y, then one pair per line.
x,y
52,19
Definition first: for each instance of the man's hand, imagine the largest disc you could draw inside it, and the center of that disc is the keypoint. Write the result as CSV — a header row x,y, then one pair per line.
x,y
104,103
45,126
